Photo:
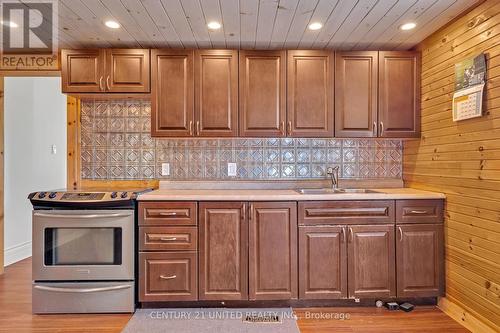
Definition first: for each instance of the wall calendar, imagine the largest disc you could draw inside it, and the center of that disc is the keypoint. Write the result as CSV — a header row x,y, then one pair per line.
x,y
469,86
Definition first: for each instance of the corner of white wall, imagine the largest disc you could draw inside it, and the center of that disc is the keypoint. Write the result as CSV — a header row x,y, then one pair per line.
x,y
17,253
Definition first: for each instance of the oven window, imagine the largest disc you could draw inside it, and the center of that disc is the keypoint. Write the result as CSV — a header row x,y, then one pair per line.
x,y
83,246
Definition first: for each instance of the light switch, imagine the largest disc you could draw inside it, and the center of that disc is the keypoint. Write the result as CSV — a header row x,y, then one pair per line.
x,y
53,149
231,169
165,169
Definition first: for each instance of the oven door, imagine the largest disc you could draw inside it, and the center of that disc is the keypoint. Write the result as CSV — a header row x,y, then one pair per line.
x,y
72,245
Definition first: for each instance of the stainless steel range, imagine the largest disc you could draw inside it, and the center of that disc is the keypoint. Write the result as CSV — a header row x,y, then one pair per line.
x,y
83,251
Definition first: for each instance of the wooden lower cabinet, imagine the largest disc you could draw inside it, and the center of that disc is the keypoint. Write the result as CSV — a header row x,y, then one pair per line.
x,y
322,262
420,260
168,276
273,251
371,261
223,251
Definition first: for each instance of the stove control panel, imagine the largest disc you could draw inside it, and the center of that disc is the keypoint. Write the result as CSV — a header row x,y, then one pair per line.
x,y
83,196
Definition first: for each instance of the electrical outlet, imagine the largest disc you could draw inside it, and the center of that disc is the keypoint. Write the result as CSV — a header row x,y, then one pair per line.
x,y
165,169
231,169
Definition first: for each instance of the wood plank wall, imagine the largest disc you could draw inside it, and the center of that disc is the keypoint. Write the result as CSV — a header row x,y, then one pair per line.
x,y
462,160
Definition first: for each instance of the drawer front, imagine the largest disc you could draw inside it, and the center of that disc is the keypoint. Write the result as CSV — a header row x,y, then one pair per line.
x,y
168,238
419,211
168,213
346,212
168,276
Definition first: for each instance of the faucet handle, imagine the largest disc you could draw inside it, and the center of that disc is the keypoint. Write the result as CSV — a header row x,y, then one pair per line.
x,y
331,170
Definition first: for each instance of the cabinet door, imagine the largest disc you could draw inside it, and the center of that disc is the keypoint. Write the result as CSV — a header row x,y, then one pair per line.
x,y
399,94
273,251
127,70
322,262
310,93
216,92
262,93
83,71
356,81
172,110
223,251
371,261
419,255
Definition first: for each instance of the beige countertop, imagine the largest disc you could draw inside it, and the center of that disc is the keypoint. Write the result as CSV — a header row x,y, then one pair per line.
x,y
281,195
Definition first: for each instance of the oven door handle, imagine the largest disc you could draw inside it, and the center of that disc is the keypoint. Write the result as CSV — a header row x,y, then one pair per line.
x,y
86,216
83,291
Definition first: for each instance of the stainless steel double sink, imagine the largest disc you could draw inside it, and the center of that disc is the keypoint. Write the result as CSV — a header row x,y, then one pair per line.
x,y
333,190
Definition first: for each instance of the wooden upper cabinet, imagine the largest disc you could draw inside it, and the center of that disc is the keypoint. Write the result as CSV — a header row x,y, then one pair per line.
x,y
262,79
172,109
105,70
356,94
371,261
83,71
310,93
272,251
127,70
223,256
216,92
420,260
322,262
399,94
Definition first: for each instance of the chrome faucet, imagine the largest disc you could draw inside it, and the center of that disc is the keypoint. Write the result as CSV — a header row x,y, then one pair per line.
x,y
333,172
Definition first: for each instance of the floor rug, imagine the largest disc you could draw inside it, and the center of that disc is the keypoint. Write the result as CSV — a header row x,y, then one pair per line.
x,y
219,320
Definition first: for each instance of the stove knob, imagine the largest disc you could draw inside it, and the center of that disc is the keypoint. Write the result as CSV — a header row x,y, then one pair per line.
x,y
41,195
114,195
124,195
52,195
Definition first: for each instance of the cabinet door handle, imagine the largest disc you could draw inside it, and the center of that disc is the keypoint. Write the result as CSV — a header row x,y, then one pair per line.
x,y
191,128
107,83
350,235
289,127
374,129
163,277
250,213
381,128
282,128
400,234
168,239
101,87
197,127
342,233
244,213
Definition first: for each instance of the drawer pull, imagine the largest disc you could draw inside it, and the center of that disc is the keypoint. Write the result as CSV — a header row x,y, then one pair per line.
x,y
418,212
168,239
168,213
171,277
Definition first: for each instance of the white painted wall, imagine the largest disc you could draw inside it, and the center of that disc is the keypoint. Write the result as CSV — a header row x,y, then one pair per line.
x,y
35,119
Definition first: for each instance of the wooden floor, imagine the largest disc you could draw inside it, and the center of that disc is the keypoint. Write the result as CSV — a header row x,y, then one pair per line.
x,y
15,315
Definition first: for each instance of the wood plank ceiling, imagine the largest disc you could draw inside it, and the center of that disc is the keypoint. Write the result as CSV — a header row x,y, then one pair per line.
x,y
253,24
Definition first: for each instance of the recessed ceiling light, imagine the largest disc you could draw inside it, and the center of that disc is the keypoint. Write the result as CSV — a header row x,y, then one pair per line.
x,y
315,26
10,24
112,24
408,26
214,25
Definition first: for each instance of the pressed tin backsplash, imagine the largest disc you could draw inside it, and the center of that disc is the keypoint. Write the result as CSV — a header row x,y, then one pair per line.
x,y
116,144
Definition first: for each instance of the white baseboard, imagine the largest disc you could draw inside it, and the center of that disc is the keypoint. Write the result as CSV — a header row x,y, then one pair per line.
x,y
17,253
